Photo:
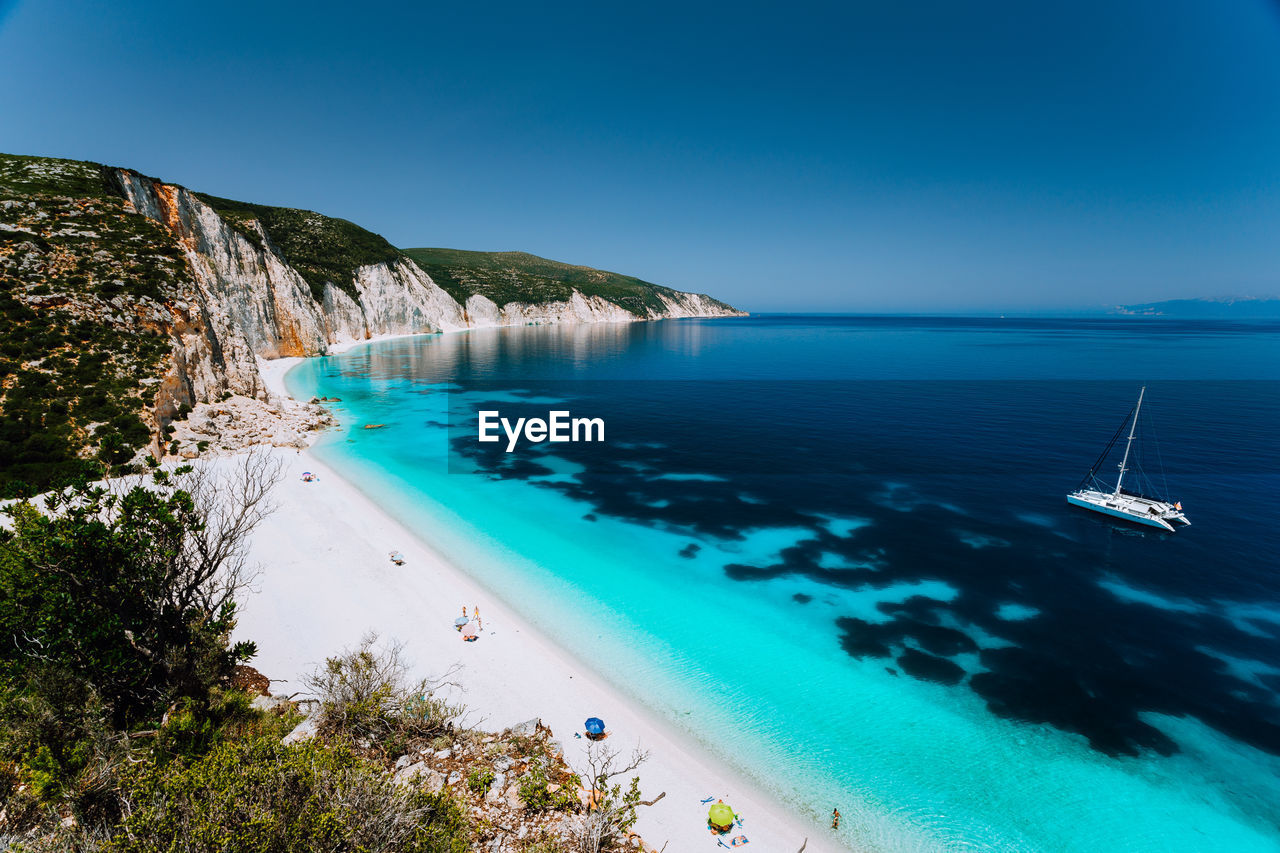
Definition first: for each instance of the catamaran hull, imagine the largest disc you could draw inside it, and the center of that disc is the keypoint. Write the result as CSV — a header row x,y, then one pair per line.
x,y
1116,513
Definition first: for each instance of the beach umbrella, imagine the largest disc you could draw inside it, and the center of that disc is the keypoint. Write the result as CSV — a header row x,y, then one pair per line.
x,y
595,726
720,815
460,621
468,630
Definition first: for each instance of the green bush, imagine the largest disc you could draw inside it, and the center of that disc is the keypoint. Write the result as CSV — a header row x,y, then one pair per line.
x,y
479,780
365,694
260,796
536,794
191,728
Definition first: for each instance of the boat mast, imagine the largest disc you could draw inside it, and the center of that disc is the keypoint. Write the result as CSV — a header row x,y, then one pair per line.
x,y
1132,429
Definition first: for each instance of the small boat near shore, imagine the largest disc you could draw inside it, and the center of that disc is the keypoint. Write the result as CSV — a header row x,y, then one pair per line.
x,y
1137,507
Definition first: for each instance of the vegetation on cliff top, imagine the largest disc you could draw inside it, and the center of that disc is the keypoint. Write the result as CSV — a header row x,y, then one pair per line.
x,y
321,248
25,175
520,277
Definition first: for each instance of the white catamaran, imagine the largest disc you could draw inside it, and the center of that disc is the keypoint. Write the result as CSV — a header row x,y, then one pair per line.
x,y
1131,506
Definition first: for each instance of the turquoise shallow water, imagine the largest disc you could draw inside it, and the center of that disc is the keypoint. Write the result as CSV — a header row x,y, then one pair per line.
x,y
901,644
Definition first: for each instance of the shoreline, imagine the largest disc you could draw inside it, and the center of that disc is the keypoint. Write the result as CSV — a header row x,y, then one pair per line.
x,y
327,579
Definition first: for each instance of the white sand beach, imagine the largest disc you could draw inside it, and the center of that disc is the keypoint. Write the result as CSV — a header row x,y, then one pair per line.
x,y
327,580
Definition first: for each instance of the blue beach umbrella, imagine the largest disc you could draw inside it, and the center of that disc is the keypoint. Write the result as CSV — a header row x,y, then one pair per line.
x,y
595,726
460,621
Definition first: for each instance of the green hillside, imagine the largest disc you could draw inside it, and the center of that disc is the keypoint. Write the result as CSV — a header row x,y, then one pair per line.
x,y
520,277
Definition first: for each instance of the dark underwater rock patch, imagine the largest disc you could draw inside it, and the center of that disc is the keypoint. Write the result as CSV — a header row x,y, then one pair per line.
x,y
929,668
863,639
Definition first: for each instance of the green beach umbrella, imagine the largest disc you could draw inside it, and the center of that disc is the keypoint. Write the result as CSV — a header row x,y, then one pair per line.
x,y
720,815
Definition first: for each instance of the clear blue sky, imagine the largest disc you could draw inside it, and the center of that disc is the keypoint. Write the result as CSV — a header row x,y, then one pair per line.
x,y
786,156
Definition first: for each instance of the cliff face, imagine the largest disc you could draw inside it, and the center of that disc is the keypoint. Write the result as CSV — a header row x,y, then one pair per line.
x,y
253,303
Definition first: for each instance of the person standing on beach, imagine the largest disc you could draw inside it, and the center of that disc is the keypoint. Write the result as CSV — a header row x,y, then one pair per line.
x,y
835,818
475,611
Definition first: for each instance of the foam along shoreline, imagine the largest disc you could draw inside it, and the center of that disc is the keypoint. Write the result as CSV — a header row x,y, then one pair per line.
x,y
327,580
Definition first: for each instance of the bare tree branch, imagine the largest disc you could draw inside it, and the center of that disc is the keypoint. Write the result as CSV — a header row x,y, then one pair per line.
x,y
610,812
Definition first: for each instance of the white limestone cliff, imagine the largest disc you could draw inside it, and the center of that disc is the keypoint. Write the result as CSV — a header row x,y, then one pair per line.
x,y
483,312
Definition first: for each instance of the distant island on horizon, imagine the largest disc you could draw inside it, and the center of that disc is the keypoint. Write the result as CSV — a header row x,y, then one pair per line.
x,y
1222,308
1226,308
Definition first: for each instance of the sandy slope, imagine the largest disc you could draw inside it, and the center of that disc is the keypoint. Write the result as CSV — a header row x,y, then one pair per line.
x,y
327,579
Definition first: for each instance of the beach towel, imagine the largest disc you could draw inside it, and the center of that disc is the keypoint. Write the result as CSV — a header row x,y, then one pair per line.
x,y
739,840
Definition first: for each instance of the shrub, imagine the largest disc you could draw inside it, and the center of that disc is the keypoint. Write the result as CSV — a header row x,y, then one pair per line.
x,y
192,728
537,795
365,694
479,780
261,796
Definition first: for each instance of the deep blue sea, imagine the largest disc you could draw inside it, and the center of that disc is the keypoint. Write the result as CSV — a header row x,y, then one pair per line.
x,y
837,551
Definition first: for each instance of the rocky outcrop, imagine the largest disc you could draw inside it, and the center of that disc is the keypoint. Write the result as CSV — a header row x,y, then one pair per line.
x,y
236,423
400,299
693,305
